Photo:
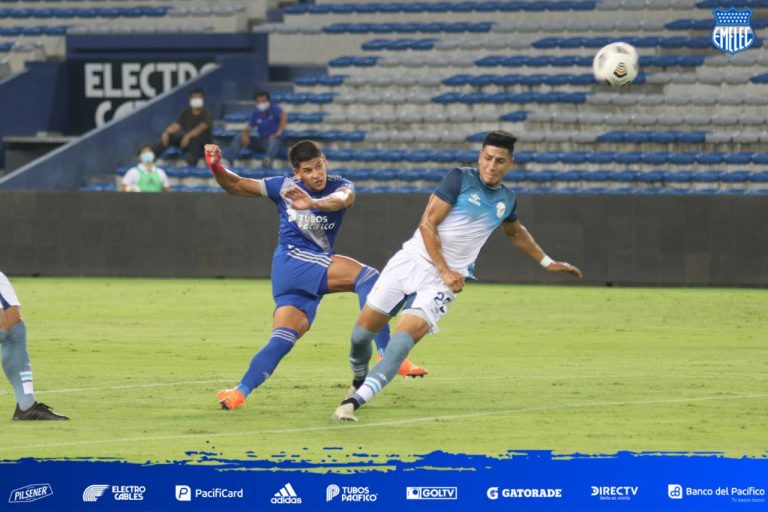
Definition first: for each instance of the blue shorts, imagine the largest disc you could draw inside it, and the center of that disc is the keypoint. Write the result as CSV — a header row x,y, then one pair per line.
x,y
299,279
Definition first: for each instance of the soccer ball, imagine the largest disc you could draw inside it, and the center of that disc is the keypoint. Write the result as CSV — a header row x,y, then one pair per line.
x,y
616,64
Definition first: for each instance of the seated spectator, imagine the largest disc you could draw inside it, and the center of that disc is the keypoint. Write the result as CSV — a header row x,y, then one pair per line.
x,y
146,176
191,131
270,120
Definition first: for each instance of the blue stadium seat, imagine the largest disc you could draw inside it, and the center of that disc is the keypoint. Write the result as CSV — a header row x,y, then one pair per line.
x,y
738,158
711,158
515,117
741,177
682,158
677,176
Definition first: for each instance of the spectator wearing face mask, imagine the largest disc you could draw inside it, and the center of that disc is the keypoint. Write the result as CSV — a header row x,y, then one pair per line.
x,y
269,121
146,176
191,131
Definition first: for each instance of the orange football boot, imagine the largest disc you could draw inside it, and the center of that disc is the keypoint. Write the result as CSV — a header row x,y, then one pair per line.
x,y
408,369
231,399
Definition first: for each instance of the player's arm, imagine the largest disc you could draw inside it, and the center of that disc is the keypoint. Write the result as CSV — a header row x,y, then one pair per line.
x,y
300,200
523,240
435,213
228,180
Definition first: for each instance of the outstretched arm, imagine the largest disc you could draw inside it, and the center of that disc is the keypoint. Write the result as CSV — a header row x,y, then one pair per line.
x,y
523,240
300,200
229,181
436,212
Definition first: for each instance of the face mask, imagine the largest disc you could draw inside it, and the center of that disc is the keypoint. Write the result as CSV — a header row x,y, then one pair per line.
x,y
196,102
147,157
264,105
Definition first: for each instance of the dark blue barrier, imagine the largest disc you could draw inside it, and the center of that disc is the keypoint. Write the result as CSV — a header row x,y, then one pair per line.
x,y
33,100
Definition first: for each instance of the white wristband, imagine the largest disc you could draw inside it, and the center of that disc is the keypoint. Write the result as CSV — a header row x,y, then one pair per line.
x,y
546,261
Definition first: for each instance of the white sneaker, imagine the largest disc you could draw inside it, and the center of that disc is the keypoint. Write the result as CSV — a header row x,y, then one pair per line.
x,y
344,412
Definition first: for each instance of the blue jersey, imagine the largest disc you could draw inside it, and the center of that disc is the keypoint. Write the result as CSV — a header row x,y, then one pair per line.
x,y
266,122
477,210
312,230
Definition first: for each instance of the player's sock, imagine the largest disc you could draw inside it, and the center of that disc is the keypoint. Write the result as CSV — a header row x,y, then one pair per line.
x,y
16,364
363,285
360,354
267,359
385,370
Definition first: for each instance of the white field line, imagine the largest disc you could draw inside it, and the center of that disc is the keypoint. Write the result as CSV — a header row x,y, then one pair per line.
x,y
395,423
341,380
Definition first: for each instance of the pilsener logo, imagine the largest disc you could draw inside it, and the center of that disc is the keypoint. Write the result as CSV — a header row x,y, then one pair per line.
x,y
675,491
431,493
32,492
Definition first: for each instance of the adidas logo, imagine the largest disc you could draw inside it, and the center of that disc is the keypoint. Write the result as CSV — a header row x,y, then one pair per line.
x,y
286,496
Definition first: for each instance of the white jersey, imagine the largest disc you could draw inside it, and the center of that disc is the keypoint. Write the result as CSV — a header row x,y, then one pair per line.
x,y
7,294
477,211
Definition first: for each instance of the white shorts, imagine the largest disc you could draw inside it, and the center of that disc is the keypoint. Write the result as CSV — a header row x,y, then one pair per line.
x,y
8,296
411,280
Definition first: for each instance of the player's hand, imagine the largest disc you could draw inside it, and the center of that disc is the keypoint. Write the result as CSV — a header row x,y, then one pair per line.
x,y
300,200
564,266
213,158
453,280
246,139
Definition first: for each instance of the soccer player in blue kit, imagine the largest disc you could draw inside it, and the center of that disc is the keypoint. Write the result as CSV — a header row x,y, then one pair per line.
x,y
430,269
305,267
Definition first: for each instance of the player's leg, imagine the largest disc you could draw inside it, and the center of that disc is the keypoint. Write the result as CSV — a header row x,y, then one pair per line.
x,y
424,309
410,329
289,324
15,358
346,274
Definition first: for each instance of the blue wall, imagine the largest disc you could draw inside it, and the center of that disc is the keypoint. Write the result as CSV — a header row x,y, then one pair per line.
x,y
241,62
33,100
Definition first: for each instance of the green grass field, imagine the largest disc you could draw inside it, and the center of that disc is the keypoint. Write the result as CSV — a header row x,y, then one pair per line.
x,y
137,363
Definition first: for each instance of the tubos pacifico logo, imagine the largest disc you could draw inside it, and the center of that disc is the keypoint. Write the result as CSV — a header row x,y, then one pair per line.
x,y
350,493
29,493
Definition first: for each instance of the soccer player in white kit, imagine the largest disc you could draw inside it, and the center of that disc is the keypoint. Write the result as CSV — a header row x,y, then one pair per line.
x,y
16,365
430,269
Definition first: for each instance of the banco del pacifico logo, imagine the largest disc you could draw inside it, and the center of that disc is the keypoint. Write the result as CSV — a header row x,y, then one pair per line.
x,y
732,33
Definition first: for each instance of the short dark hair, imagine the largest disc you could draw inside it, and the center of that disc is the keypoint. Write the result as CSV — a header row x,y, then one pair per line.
x,y
197,91
501,139
145,146
304,151
262,93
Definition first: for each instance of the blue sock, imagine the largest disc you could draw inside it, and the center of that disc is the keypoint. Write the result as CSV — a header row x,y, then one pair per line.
x,y
16,364
266,360
363,285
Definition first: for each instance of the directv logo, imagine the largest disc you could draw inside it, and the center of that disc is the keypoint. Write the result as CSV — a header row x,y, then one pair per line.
x,y
431,493
286,496
92,493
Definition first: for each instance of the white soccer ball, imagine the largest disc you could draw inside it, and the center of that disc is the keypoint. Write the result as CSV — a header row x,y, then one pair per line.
x,y
616,64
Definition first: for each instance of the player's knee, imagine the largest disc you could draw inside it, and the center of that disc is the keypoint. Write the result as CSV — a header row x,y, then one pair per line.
x,y
10,317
